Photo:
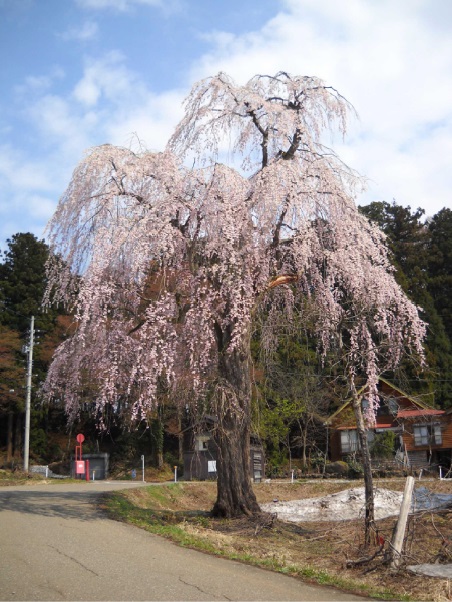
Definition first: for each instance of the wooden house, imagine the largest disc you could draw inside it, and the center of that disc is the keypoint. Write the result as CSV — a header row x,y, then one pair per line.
x,y
200,453
423,434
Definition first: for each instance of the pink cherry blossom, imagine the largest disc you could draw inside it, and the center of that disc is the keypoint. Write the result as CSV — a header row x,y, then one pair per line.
x,y
164,265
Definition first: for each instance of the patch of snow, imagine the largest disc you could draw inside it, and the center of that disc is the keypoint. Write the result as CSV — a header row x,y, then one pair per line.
x,y
345,505
424,499
444,571
45,470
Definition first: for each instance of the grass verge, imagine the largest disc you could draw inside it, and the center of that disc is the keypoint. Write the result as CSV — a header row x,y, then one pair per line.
x,y
179,512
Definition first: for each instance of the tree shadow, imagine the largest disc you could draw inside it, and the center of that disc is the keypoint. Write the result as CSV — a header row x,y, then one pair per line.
x,y
79,505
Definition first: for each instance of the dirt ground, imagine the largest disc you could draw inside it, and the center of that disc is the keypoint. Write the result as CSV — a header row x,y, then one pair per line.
x,y
333,544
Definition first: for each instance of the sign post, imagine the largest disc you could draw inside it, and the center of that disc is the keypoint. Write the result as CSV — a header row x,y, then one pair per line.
x,y
142,467
79,464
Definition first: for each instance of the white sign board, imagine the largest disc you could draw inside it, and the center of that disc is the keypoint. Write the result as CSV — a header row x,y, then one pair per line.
x,y
211,466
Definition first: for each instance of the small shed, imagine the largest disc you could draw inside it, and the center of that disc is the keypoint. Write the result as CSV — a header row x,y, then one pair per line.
x,y
98,466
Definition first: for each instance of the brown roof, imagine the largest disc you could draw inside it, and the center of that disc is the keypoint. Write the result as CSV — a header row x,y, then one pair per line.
x,y
377,425
416,413
415,402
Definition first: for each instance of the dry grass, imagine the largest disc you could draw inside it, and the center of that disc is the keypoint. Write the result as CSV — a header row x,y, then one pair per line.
x,y
316,551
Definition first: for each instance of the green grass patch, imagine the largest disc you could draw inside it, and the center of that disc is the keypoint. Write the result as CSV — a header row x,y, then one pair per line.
x,y
153,519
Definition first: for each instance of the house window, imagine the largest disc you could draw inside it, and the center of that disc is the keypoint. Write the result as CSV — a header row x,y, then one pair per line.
x,y
349,441
202,442
393,406
427,434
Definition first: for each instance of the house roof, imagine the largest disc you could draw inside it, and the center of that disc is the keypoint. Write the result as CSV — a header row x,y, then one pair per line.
x,y
417,402
377,425
416,413
420,404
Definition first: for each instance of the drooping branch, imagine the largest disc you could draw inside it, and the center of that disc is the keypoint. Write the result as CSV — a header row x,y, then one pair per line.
x,y
283,279
192,252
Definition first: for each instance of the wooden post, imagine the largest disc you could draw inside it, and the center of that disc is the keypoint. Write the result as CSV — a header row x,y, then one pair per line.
x,y
399,534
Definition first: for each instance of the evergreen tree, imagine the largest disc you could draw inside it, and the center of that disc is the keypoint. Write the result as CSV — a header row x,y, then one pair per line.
x,y
440,265
11,387
417,250
22,285
23,282
408,240
440,287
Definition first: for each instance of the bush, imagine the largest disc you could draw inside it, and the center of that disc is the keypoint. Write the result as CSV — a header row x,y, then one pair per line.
x,y
355,468
38,444
383,445
339,469
172,460
317,461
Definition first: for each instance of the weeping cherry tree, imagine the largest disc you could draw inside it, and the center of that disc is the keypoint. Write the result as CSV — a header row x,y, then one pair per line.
x,y
165,267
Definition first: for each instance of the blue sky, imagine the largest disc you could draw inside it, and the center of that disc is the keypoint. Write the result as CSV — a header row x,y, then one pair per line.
x,y
77,73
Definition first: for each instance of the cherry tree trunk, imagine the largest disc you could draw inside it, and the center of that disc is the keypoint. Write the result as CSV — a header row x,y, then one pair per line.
x,y
369,522
235,495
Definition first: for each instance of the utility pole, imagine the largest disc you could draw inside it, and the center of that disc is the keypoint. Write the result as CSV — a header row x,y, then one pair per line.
x,y
28,395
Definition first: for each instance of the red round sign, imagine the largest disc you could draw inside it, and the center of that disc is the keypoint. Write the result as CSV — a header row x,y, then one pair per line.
x,y
80,438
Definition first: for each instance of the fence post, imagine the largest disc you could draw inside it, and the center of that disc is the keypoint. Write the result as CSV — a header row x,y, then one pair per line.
x,y
399,534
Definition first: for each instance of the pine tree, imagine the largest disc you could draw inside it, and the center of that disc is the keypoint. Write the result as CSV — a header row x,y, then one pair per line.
x,y
440,265
22,285
23,282
440,288
413,254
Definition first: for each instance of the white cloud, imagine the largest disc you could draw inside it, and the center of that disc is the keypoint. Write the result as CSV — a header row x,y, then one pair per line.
x,y
152,121
60,125
109,103
38,84
124,105
392,60
87,31
108,78
126,5
16,173
41,207
32,191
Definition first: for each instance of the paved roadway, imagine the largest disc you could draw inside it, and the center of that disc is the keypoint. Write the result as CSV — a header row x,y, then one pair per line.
x,y
55,545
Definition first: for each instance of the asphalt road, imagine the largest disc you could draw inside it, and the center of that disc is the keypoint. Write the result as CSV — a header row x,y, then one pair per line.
x,y
55,545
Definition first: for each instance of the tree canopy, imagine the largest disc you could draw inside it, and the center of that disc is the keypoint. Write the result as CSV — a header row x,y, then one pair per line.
x,y
23,282
22,285
440,265
165,266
